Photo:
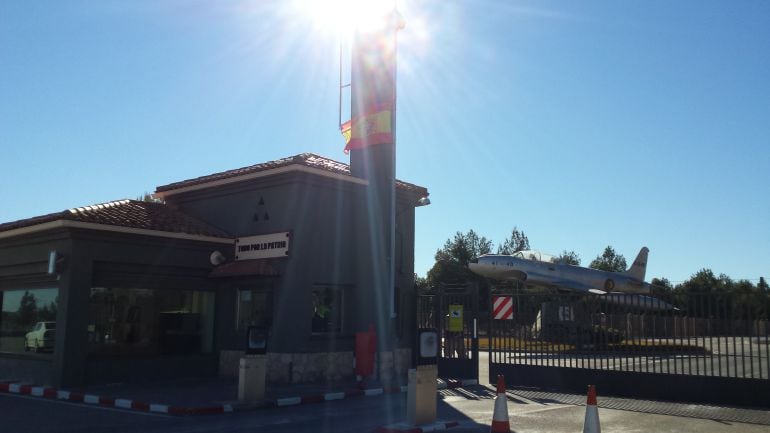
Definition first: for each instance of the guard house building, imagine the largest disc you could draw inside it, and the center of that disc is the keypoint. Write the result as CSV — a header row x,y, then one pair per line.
x,y
134,290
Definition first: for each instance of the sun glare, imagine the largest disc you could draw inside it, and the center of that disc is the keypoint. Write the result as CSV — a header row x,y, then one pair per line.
x,y
345,15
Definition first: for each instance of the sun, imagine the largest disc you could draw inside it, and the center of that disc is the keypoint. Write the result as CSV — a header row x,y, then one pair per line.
x,y
343,16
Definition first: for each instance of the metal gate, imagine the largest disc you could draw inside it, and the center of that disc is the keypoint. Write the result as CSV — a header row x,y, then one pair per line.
x,y
711,348
454,312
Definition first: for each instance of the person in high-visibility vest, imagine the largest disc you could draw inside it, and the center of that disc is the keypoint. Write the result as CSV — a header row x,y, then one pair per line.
x,y
455,338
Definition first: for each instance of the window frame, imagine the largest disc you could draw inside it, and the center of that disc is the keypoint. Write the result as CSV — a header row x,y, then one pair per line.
x,y
268,293
39,322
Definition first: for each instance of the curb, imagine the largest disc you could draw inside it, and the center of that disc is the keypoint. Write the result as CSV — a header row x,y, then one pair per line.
x,y
127,404
120,403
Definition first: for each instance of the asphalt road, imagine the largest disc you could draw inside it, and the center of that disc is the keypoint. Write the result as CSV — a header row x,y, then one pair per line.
x,y
471,407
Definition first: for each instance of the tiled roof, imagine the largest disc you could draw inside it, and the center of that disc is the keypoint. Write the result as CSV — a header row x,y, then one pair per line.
x,y
128,213
306,159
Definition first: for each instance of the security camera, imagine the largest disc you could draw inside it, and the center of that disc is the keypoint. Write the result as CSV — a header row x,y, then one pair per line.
x,y
217,258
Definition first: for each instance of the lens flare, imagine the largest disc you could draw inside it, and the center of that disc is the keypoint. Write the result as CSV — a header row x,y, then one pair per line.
x,y
345,15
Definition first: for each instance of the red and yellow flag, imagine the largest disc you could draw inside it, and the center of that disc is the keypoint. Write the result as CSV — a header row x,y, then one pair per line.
x,y
346,130
374,127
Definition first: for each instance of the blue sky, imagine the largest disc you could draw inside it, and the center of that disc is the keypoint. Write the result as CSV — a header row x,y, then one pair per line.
x,y
584,124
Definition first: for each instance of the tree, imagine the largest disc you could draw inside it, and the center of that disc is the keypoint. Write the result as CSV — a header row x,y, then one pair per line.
x,y
762,286
568,258
452,260
27,312
704,281
148,197
662,289
705,288
517,242
420,284
662,283
48,312
609,261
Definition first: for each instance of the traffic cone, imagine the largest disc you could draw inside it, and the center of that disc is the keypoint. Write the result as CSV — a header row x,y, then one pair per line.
x,y
500,422
591,423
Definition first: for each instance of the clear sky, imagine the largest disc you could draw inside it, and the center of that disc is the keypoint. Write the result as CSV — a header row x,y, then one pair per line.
x,y
584,124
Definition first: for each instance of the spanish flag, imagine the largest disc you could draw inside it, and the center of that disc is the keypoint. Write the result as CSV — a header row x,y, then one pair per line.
x,y
345,129
374,127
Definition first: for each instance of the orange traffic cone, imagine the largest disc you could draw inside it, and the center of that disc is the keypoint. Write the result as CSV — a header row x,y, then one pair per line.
x,y
500,422
591,423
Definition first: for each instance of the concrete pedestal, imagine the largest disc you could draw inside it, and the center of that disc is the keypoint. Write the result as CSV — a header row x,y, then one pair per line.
x,y
251,377
421,395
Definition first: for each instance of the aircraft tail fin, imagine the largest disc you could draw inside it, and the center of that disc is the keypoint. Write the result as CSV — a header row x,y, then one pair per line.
x,y
639,267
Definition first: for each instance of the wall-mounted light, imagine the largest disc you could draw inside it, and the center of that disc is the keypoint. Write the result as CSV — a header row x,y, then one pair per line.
x,y
217,258
52,262
423,201
55,262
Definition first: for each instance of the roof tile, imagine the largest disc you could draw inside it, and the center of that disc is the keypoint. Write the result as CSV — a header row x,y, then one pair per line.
x,y
307,159
128,213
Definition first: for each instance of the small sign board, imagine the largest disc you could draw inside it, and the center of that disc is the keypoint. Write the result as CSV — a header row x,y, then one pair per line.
x,y
455,318
502,307
262,246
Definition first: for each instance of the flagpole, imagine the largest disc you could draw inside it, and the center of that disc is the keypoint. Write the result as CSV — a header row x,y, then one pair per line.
x,y
339,119
392,270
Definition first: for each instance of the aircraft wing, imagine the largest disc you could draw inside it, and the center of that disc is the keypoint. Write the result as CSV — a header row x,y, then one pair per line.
x,y
576,286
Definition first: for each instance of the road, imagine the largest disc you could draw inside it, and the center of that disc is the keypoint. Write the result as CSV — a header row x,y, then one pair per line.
x,y
471,407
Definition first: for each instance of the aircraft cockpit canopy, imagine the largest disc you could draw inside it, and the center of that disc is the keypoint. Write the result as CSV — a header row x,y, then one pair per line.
x,y
536,256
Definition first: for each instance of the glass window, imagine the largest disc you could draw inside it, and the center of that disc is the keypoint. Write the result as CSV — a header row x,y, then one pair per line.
x,y
327,309
28,320
143,322
254,307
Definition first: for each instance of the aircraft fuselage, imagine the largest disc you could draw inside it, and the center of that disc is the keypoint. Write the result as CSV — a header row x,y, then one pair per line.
x,y
542,273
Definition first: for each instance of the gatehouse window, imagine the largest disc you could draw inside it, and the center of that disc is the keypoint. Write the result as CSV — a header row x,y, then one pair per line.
x,y
28,320
327,309
143,322
254,309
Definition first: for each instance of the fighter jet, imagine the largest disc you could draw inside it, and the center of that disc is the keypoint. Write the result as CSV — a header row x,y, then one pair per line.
x,y
538,269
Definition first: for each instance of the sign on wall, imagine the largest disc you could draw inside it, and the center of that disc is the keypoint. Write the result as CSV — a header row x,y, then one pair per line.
x,y
456,318
502,307
262,246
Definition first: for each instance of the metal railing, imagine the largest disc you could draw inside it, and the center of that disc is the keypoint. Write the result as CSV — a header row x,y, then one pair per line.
x,y
698,334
